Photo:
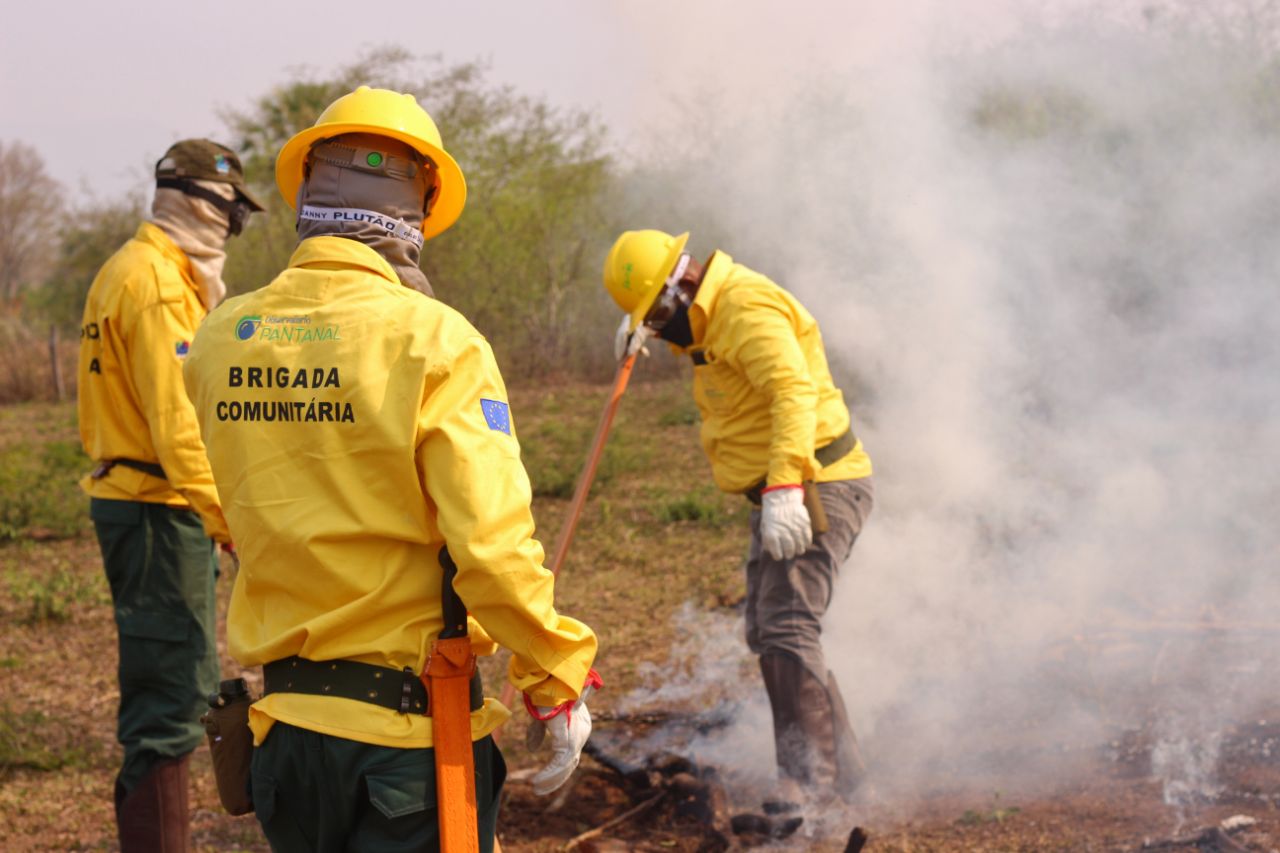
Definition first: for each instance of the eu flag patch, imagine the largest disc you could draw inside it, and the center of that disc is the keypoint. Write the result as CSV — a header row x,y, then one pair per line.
x,y
497,415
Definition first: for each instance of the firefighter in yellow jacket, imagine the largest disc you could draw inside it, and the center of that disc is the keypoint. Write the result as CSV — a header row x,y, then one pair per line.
x,y
152,498
362,442
777,430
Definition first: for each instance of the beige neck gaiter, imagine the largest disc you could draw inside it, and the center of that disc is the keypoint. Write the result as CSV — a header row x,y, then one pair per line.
x,y
200,230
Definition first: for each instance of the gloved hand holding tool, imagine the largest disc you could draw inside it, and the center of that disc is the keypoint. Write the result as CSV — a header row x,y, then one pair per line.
x,y
785,528
628,343
569,725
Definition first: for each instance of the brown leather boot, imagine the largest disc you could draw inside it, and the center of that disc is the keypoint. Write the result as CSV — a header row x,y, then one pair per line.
x,y
851,768
153,817
815,744
787,682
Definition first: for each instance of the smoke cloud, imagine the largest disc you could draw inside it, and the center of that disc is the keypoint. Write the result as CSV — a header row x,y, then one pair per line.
x,y
1041,240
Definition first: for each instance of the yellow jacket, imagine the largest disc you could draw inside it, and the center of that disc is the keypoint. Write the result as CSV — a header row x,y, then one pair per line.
x,y
140,316
356,426
765,392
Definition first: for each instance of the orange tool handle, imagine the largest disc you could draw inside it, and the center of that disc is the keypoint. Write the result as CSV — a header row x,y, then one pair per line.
x,y
588,474
448,680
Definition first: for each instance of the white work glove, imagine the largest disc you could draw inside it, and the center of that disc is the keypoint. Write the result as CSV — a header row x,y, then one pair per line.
x,y
627,342
569,726
785,528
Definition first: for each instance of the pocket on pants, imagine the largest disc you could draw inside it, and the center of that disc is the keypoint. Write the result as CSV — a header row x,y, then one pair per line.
x,y
153,646
397,796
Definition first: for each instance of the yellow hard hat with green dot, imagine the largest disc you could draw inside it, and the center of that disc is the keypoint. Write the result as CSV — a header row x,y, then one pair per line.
x,y
385,113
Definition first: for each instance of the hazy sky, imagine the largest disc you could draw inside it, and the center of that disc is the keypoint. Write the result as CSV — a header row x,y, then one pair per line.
x,y
102,89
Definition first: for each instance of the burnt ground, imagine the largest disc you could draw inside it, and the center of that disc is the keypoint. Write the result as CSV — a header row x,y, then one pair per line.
x,y
1115,804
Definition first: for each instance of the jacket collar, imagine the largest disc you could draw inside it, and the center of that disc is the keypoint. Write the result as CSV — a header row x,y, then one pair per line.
x,y
704,303
330,251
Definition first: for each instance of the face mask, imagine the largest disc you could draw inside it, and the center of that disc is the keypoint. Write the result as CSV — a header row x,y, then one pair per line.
x,y
356,191
677,330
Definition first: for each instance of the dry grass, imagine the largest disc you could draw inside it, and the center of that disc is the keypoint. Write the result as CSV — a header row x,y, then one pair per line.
x,y
628,572
26,372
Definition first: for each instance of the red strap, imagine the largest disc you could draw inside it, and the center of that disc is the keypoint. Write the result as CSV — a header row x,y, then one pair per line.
x,y
769,489
566,708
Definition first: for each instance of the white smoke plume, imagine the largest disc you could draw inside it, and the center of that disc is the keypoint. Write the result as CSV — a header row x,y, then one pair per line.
x,y
1041,240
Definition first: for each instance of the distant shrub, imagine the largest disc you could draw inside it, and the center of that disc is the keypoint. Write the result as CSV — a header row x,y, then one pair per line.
x,y
39,491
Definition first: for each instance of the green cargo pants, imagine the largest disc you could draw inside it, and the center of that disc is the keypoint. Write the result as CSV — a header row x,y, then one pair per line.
x,y
161,568
316,792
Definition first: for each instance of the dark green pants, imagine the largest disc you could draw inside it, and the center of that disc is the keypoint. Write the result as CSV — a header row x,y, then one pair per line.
x,y
161,568
316,792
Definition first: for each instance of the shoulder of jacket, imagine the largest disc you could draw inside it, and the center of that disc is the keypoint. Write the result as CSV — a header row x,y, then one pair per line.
x,y
435,314
231,307
442,329
745,286
148,276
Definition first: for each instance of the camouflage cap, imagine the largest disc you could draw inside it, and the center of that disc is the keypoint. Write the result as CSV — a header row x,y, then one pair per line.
x,y
205,160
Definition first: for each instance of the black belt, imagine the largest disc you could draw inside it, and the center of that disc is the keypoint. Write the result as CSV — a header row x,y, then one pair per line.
x,y
828,454
400,690
105,466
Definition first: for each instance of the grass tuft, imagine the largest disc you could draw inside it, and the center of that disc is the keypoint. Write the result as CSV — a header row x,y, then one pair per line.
x,y
49,595
31,740
702,505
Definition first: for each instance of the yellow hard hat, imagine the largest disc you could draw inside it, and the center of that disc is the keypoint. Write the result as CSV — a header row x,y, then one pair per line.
x,y
637,266
385,113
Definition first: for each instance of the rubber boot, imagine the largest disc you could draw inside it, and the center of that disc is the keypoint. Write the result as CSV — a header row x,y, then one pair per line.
x,y
153,817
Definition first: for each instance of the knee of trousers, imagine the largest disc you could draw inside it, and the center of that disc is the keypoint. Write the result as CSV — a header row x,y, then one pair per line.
x,y
807,651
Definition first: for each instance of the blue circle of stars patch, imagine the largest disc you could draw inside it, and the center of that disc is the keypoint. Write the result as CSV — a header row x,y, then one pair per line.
x,y
497,415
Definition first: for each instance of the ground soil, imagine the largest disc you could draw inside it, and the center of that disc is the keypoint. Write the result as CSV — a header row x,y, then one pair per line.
x,y
629,572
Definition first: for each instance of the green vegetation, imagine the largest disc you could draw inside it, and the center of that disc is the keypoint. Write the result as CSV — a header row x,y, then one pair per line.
x,y
86,241
34,740
554,452
48,593
703,505
684,413
38,489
